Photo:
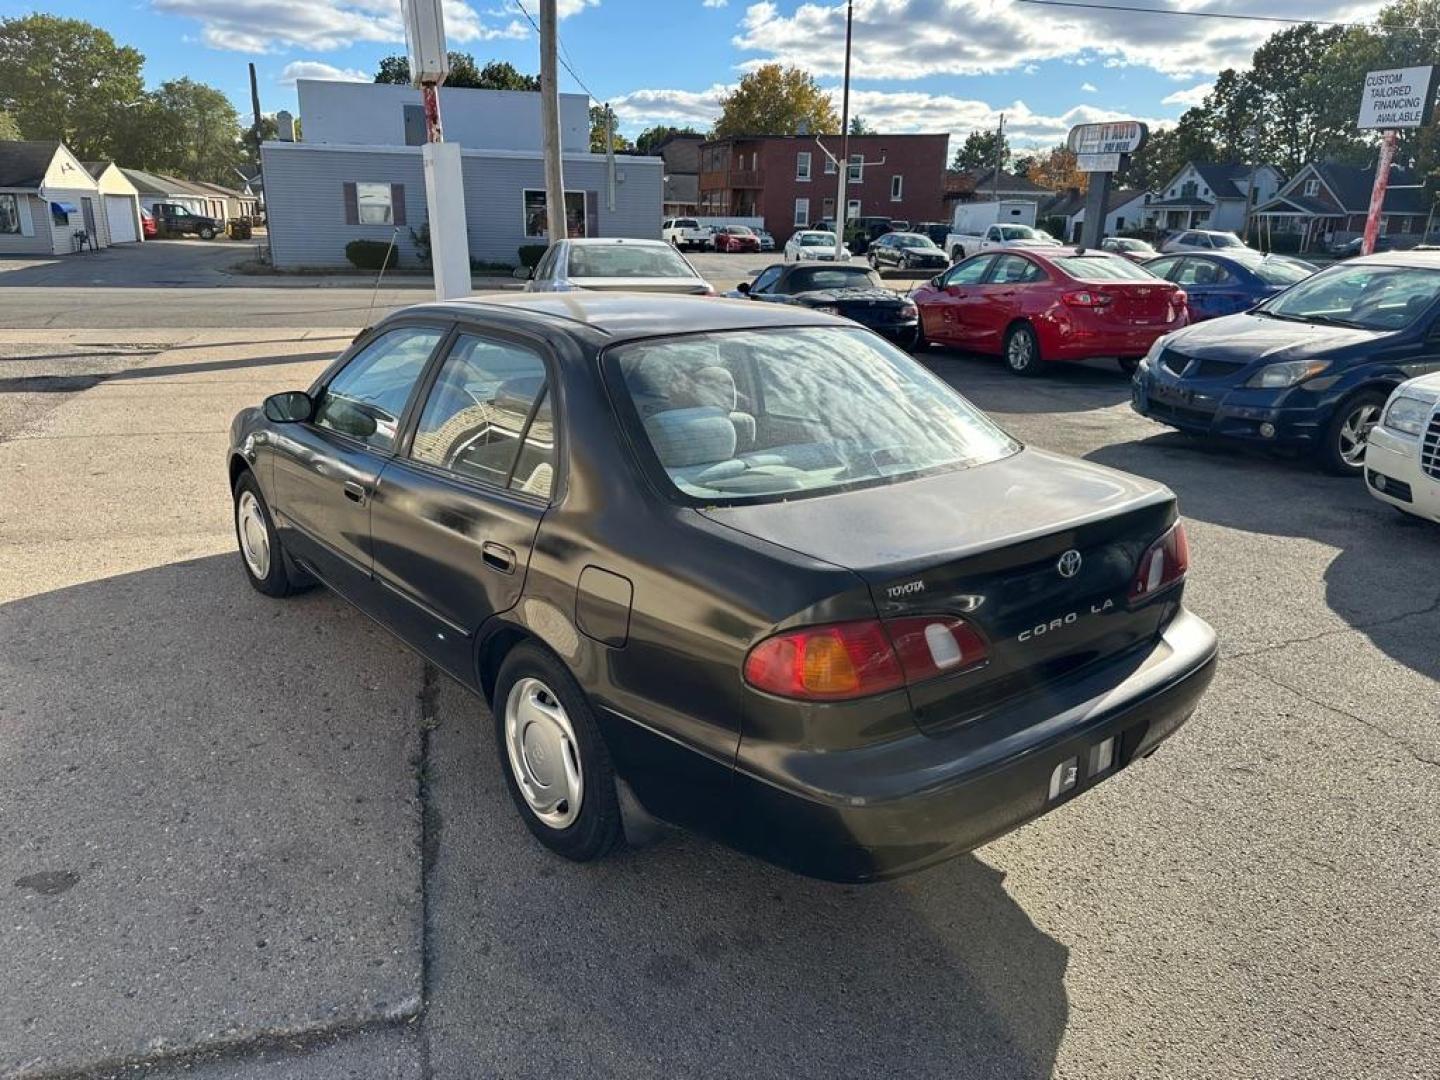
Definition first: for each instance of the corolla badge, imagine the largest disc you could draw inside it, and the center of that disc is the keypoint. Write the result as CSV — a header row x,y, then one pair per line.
x,y
1069,563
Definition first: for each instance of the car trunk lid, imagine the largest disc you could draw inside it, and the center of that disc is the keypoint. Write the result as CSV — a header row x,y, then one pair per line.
x,y
1133,302
997,545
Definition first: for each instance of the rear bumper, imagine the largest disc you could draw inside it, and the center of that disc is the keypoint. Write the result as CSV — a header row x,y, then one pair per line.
x,y
1086,337
883,811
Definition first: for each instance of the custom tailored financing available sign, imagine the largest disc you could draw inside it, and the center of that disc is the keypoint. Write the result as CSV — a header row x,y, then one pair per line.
x,y
1397,98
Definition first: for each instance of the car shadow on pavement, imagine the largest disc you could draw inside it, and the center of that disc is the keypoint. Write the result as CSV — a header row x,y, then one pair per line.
x,y
1372,582
1060,388
687,959
72,381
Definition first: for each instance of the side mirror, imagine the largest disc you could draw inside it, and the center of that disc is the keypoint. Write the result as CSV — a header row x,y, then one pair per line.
x,y
523,273
743,287
291,407
935,281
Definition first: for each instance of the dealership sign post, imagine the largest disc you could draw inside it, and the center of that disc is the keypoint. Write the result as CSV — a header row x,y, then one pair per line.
x,y
1101,150
1393,99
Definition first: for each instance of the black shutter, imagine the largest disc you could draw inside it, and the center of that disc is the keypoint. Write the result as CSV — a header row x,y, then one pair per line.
x,y
397,203
352,204
592,213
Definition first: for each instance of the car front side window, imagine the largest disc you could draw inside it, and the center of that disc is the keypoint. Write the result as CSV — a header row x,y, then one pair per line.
x,y
488,417
969,272
766,279
367,396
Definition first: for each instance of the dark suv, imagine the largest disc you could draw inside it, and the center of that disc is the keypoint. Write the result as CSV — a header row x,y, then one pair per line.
x,y
174,218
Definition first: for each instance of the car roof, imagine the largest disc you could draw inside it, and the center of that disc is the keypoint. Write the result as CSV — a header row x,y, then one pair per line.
x,y
614,241
619,315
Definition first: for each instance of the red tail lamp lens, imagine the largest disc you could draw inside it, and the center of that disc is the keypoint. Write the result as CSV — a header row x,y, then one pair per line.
x,y
1164,563
1087,298
857,659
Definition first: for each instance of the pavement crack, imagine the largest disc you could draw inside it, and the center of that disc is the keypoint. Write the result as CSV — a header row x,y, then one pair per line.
x,y
430,830
1355,628
1378,729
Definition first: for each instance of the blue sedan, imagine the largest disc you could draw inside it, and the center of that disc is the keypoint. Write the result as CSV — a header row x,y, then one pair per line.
x,y
1309,369
1225,284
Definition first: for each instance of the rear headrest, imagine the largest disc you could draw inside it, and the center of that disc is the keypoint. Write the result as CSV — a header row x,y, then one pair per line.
x,y
686,437
714,386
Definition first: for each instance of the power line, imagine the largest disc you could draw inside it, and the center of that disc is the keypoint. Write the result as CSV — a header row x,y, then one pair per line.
x,y
1220,15
564,57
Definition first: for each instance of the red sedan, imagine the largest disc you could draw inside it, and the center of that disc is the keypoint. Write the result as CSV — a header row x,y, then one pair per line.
x,y
1031,306
736,238
148,228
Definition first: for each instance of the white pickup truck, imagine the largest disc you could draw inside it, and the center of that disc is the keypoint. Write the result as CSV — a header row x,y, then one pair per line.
x,y
963,245
686,234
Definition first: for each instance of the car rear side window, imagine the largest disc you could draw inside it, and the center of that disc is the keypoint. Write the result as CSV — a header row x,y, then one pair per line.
x,y
488,417
366,398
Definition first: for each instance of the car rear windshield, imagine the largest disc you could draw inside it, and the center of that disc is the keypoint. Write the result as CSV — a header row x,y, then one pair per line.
x,y
622,261
1022,232
914,240
817,239
766,415
1100,267
1369,296
1279,272
1224,240
809,279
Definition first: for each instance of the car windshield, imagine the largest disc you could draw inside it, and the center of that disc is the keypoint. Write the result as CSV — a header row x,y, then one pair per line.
x,y
817,239
808,279
768,415
1124,244
738,230
1373,297
914,240
1225,240
1280,271
1100,267
626,261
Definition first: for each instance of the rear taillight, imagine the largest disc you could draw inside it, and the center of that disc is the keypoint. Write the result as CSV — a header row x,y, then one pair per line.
x,y
1163,564
857,659
1087,298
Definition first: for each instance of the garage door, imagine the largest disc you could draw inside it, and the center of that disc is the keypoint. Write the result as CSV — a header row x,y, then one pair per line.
x,y
120,209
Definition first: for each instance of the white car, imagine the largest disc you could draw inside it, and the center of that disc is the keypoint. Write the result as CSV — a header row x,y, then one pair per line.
x,y
1402,454
1204,240
614,263
812,244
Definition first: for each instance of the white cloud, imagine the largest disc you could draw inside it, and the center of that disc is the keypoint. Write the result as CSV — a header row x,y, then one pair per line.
x,y
316,69
1194,96
886,111
1089,88
267,25
912,39
714,3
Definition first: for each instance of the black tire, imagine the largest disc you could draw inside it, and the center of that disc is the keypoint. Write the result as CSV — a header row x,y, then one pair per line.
x,y
1129,364
280,577
957,254
207,233
1357,413
1022,350
920,344
596,827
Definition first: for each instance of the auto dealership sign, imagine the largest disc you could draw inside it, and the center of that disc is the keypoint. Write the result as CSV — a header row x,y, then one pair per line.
x,y
1106,140
1398,98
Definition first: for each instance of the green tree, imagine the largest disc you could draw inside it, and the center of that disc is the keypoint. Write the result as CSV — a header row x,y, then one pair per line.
x,y
1056,170
858,126
775,100
649,139
66,79
978,151
496,75
597,133
194,132
1168,149
8,128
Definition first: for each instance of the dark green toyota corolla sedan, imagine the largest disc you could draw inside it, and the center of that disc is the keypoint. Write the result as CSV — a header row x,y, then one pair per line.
x,y
745,568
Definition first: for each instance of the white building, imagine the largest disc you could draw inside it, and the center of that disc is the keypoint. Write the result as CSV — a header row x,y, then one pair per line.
x,y
1210,196
48,200
358,174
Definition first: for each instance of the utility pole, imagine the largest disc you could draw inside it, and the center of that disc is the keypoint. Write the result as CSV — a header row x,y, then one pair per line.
x,y
844,163
1252,134
999,158
255,106
610,159
1377,194
550,124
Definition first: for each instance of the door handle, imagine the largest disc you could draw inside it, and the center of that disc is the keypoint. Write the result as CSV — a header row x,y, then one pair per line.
x,y
355,492
498,557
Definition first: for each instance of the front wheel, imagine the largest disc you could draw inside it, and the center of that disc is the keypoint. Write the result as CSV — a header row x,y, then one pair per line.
x,y
1342,447
555,762
261,555
1022,350
1129,364
207,233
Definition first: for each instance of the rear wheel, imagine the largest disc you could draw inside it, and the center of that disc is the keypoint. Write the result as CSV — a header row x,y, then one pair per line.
x,y
1022,350
556,765
1342,448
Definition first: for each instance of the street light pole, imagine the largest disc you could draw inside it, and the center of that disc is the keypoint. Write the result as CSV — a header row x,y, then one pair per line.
x,y
844,163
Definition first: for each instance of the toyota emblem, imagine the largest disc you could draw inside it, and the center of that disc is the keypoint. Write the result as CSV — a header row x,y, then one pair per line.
x,y
1069,564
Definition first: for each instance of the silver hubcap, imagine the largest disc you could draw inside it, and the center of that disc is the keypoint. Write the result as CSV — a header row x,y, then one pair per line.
x,y
1021,351
254,535
1355,432
544,754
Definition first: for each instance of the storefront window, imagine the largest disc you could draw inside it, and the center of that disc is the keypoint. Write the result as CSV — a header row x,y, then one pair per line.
x,y
534,210
9,214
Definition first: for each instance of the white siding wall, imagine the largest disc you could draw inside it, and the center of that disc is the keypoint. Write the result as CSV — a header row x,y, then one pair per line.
x,y
373,114
62,233
304,185
41,240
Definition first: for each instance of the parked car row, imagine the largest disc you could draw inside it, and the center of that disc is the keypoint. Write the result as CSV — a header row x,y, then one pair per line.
x,y
687,234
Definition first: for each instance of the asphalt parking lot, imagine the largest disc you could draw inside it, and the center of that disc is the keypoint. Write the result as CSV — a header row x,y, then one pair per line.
x,y
250,838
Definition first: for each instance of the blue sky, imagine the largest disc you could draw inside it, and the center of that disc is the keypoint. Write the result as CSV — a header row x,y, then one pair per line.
x,y
920,65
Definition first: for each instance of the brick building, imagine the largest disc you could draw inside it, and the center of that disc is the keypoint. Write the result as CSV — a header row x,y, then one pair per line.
x,y
790,181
